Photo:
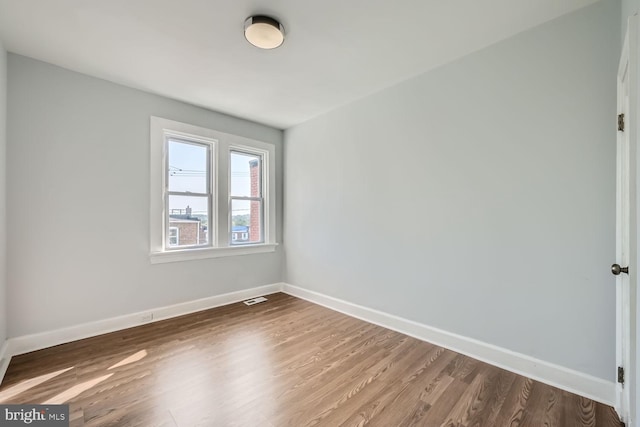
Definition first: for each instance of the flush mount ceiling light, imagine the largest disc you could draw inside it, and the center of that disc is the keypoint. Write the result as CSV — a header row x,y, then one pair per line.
x,y
263,32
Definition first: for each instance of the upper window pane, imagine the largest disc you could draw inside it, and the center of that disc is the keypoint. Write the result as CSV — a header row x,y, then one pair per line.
x,y
187,167
246,174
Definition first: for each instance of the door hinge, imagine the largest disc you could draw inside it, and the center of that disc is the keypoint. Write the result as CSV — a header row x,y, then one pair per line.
x,y
620,374
621,122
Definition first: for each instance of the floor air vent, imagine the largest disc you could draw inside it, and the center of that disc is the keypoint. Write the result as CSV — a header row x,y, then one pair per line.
x,y
255,300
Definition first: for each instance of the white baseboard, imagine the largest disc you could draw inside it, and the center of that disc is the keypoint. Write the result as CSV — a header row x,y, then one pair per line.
x,y
558,376
5,358
28,343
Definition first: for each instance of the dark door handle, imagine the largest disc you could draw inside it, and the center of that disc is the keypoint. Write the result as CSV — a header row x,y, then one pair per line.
x,y
616,269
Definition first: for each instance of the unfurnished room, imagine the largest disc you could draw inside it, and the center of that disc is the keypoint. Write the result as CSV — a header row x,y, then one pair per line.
x,y
291,213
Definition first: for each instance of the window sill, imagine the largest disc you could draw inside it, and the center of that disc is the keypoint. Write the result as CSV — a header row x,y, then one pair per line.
x,y
194,254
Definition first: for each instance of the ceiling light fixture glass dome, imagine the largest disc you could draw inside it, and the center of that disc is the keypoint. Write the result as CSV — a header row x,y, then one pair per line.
x,y
263,32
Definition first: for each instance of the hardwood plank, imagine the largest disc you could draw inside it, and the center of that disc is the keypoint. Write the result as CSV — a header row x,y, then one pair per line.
x,y
579,411
469,409
285,362
442,407
512,410
534,410
503,383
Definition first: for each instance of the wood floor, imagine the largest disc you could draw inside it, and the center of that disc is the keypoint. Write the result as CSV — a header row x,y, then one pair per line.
x,y
285,362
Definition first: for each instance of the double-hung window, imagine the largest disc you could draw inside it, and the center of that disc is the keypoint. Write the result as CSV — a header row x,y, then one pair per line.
x,y
246,195
212,193
188,193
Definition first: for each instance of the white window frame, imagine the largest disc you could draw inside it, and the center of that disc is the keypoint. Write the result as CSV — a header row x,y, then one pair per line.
x,y
200,141
222,145
264,164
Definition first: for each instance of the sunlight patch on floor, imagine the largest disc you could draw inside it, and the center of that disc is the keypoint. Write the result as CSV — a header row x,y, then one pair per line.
x,y
25,385
74,391
133,358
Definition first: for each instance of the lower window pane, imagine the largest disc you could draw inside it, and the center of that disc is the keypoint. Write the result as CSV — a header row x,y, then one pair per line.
x,y
246,222
188,221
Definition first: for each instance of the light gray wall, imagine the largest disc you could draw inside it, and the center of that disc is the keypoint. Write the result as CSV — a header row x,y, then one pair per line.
x,y
3,194
78,202
478,198
629,8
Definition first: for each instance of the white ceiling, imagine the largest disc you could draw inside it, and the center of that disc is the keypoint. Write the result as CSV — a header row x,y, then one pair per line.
x,y
335,51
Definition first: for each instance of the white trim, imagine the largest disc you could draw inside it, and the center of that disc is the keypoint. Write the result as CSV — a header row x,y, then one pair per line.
x,y
203,253
218,243
627,243
210,146
267,190
28,343
625,210
5,358
558,376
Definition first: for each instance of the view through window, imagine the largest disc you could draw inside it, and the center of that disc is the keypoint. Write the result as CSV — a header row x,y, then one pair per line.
x,y
188,194
246,198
